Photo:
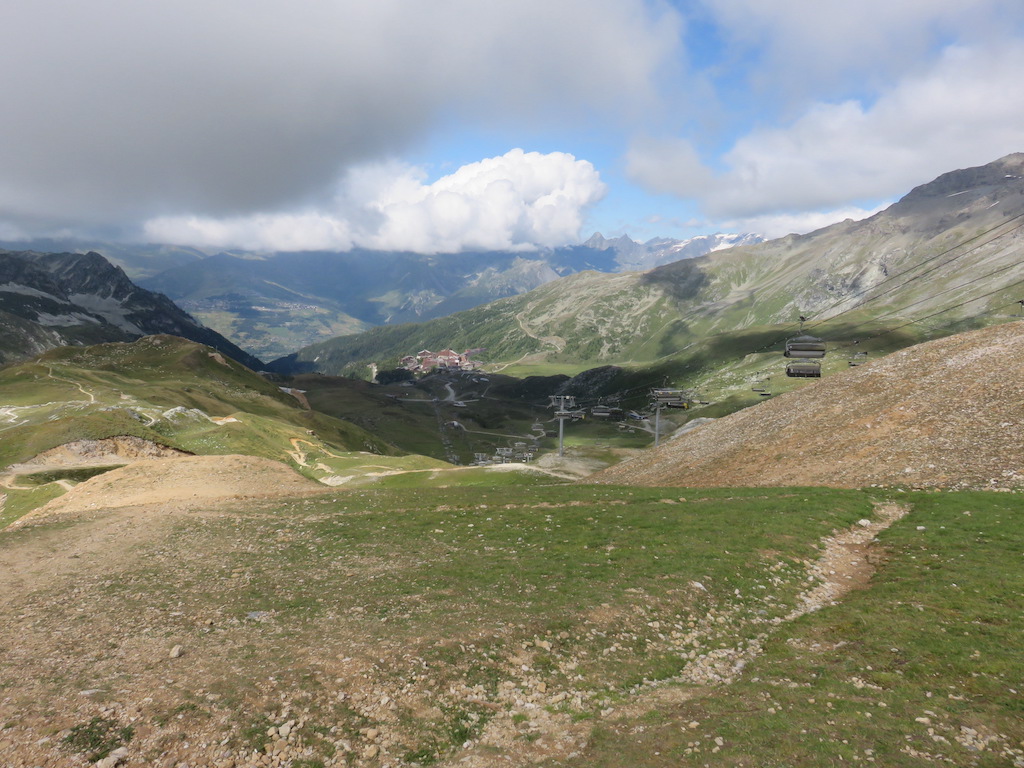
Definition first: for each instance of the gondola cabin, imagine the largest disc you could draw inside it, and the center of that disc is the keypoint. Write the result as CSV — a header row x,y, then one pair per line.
x,y
670,398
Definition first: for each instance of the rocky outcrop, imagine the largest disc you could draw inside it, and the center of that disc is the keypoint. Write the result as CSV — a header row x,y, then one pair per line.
x,y
76,298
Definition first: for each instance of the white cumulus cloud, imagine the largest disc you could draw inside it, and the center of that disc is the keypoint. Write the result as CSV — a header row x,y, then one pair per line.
x,y
517,201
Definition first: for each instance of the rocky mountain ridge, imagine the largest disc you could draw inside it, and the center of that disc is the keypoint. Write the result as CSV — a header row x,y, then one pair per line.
x,y
57,299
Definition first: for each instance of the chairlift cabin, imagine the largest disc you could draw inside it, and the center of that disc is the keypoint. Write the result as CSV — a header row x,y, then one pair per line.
x,y
669,398
805,347
804,370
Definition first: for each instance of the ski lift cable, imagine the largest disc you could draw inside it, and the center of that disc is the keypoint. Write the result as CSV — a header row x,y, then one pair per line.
x,y
927,261
943,311
929,298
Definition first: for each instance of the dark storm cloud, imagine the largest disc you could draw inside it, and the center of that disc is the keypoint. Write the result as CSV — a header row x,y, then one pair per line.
x,y
126,109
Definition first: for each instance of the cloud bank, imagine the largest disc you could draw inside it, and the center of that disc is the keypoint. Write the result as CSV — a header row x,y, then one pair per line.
x,y
799,48
259,122
119,109
517,201
967,109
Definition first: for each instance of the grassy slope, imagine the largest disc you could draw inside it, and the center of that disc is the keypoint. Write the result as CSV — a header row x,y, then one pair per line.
x,y
920,668
718,353
126,389
426,591
497,413
166,390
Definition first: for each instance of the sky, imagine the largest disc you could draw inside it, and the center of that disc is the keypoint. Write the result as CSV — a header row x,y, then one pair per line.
x,y
448,125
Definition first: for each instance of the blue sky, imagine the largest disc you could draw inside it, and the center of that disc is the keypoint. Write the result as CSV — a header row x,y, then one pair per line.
x,y
460,124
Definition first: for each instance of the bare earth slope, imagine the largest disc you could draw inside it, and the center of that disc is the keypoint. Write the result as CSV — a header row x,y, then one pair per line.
x,y
179,481
946,413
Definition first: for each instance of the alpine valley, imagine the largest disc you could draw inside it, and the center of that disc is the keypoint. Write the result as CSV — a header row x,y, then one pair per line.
x,y
944,258
557,508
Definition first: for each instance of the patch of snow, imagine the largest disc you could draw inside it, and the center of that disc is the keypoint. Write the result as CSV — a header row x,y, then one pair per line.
x,y
73,318
112,310
25,290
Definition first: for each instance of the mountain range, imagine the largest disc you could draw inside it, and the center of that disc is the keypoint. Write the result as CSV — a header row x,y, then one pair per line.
x,y
275,303
631,256
946,253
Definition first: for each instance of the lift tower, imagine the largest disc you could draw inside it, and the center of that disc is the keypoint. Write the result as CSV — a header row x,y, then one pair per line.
x,y
666,398
565,408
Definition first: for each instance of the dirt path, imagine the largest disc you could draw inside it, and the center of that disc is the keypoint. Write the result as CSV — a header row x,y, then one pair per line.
x,y
845,564
77,385
299,456
553,341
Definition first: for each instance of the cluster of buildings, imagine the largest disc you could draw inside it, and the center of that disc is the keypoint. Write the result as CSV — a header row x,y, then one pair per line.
x,y
425,361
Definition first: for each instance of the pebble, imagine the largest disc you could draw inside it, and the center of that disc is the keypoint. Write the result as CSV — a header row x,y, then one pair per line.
x,y
114,759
